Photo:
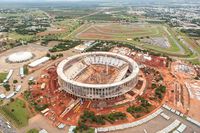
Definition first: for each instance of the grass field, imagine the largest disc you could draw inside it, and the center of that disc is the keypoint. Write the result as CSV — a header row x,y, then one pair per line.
x,y
70,13
17,36
61,29
33,131
67,24
16,112
2,77
122,32
129,33
112,31
36,13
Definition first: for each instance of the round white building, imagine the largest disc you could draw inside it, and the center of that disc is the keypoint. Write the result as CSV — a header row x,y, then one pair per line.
x,y
20,57
97,75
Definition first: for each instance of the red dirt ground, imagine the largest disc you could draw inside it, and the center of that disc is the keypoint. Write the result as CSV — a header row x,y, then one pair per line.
x,y
59,100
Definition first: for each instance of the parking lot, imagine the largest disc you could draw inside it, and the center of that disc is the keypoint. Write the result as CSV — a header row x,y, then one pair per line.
x,y
5,126
159,123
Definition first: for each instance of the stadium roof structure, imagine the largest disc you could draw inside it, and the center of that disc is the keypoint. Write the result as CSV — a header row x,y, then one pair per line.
x,y
20,57
133,64
85,75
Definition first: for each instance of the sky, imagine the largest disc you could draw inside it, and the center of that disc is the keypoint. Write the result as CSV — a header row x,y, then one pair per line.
x,y
44,0
182,1
50,0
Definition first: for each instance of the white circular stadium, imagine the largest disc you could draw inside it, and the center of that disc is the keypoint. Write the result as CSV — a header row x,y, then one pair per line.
x,y
20,57
97,75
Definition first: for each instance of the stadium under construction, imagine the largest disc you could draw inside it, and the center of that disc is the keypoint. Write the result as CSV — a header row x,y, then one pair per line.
x,y
97,75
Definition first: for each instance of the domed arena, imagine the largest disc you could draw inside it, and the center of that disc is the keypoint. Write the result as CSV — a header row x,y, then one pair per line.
x,y
19,57
97,75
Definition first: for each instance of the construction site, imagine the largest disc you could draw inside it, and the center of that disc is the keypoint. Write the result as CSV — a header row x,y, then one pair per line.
x,y
186,88
97,74
108,82
66,108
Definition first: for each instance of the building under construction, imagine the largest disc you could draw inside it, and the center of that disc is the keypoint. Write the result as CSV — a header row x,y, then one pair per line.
x,y
97,75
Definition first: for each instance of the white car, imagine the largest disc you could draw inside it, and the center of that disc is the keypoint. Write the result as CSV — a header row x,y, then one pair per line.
x,y
8,126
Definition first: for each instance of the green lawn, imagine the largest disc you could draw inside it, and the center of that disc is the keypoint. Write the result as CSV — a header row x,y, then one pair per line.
x,y
10,14
16,112
33,131
17,36
90,130
173,50
2,76
151,30
36,13
69,25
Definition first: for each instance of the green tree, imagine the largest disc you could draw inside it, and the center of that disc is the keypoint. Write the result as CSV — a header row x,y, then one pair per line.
x,y
6,86
15,81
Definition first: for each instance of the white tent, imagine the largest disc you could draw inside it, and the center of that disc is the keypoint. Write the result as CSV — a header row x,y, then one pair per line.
x,y
20,56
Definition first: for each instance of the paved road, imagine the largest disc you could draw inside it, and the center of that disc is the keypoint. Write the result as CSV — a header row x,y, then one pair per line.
x,y
41,122
182,51
3,126
190,126
160,123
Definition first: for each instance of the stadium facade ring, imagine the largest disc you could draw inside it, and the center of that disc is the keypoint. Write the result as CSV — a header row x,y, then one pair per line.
x,y
97,75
